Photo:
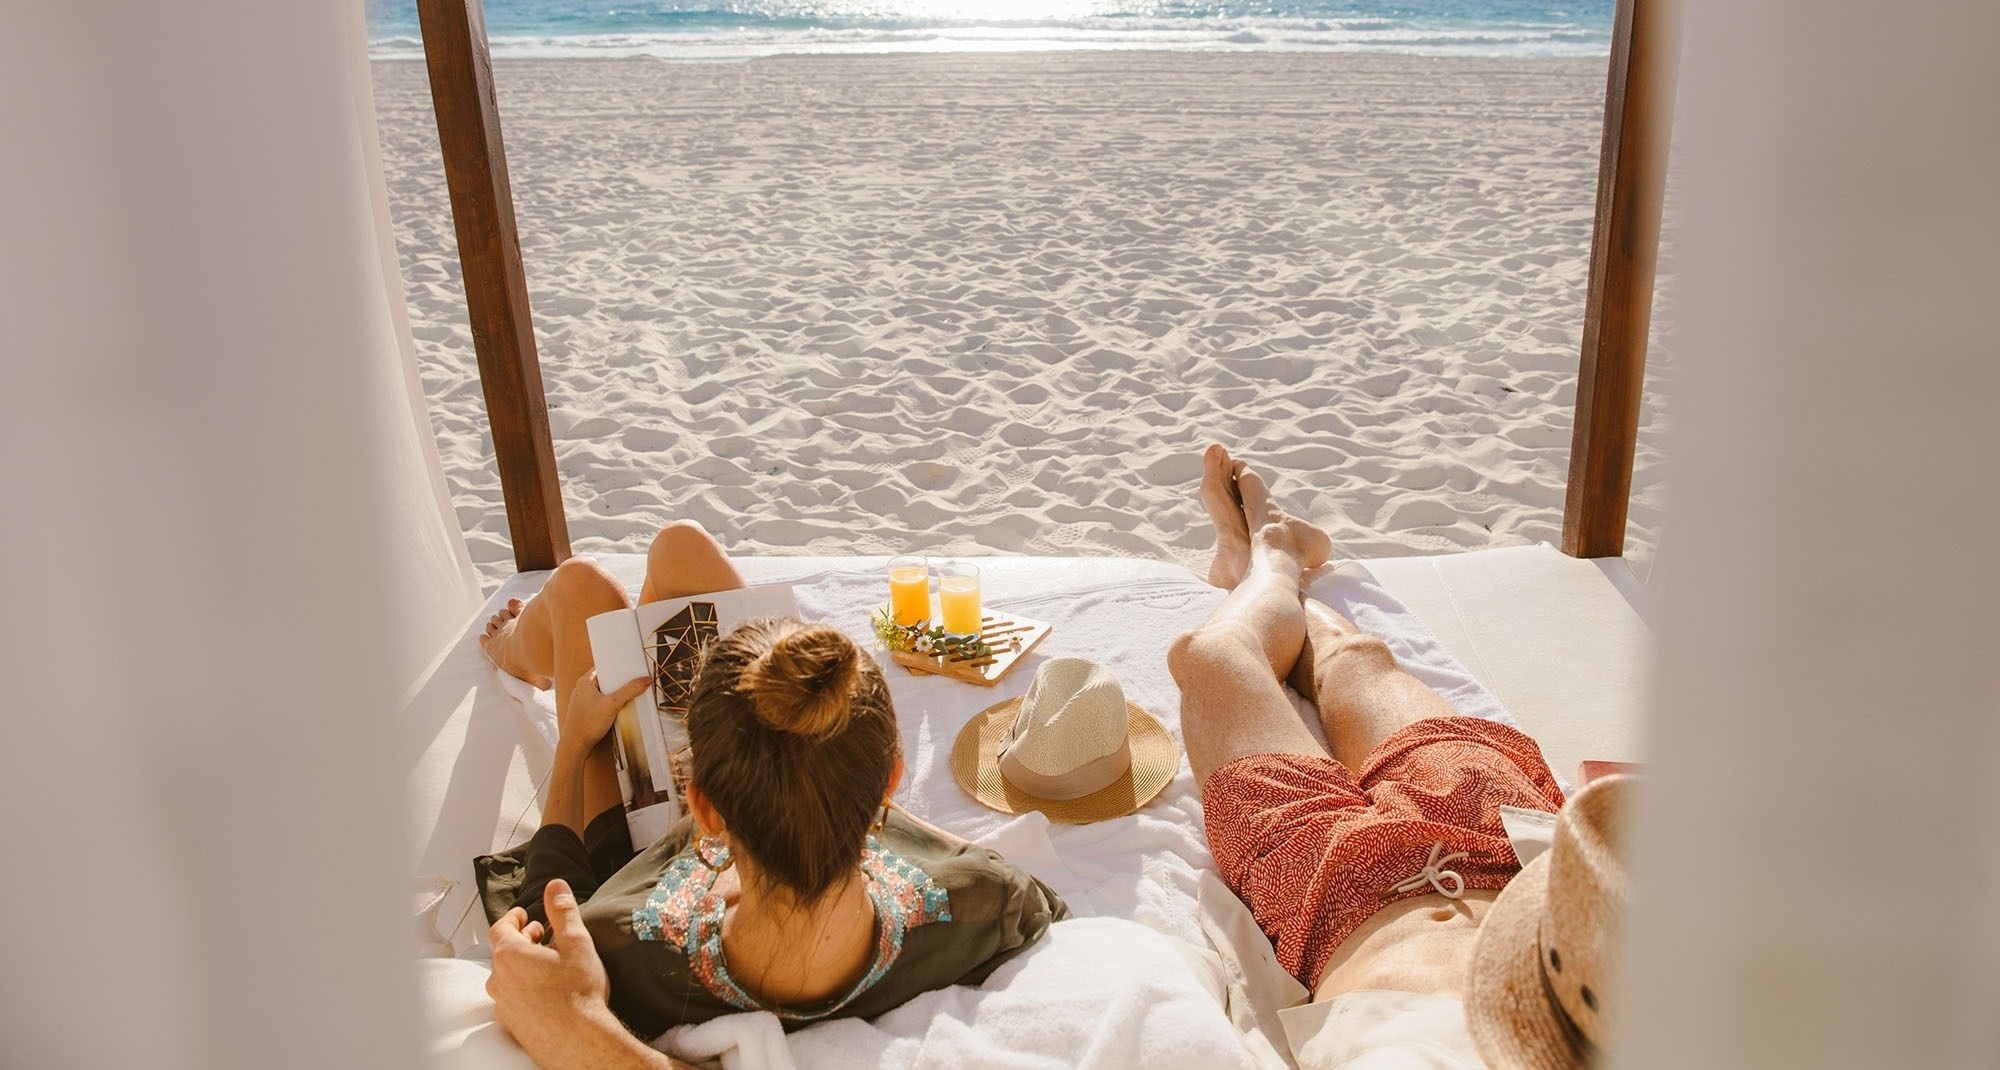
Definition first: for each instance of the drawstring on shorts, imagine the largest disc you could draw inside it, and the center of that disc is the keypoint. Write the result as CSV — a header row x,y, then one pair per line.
x,y
1444,881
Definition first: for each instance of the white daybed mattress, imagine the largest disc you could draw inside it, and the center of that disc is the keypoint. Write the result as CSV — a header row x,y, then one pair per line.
x,y
1176,987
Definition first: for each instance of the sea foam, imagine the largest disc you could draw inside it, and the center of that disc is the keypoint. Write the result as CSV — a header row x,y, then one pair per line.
x,y
726,31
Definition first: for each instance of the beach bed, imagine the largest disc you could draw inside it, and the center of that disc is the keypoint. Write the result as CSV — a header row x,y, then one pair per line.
x,y
1192,976
1162,966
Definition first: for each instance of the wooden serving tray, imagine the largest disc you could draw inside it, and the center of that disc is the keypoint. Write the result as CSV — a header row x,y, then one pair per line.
x,y
1010,636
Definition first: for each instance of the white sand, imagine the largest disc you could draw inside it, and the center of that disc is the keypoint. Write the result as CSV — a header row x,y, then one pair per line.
x,y
997,303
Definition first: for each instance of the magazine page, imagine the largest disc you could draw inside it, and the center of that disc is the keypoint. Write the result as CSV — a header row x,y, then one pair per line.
x,y
667,640
615,647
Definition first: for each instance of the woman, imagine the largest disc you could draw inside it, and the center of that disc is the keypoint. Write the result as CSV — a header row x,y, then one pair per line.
x,y
794,886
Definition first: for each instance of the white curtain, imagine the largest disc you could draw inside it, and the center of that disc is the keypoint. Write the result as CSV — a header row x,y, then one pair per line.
x,y
1820,863
224,552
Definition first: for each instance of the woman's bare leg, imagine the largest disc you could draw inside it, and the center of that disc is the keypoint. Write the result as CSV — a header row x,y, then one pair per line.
x,y
685,560
545,639
545,642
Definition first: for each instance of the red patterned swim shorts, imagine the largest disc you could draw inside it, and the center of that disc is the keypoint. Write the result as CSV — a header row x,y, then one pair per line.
x,y
1315,849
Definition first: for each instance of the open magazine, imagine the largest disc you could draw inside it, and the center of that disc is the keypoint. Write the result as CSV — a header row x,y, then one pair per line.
x,y
666,640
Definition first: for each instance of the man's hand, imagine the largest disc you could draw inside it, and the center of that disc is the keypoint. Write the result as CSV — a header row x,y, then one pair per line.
x,y
591,711
548,997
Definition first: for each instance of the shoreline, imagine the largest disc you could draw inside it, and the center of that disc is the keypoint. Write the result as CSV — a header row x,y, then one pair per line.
x,y
583,55
996,302
1198,54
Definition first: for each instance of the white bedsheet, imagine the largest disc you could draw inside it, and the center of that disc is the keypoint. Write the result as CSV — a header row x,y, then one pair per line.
x,y
1145,868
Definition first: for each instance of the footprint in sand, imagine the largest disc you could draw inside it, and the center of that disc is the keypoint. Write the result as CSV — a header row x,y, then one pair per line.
x,y
1419,513
1175,470
929,475
648,439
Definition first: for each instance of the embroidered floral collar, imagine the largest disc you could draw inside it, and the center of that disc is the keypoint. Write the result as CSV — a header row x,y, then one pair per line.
x,y
684,911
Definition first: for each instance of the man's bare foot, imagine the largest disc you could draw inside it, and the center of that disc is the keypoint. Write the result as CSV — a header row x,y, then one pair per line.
x,y
1304,545
1239,503
1220,497
1304,541
499,646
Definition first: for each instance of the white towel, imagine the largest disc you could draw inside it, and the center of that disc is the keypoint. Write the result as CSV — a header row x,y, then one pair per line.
x,y
736,1042
1094,993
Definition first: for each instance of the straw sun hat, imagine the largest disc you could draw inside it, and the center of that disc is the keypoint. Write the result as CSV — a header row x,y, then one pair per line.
x,y
1072,747
1536,997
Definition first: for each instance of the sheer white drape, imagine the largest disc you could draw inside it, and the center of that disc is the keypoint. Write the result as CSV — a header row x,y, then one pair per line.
x,y
1820,878
222,544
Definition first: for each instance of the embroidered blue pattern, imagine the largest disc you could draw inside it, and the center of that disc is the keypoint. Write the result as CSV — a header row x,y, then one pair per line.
x,y
684,911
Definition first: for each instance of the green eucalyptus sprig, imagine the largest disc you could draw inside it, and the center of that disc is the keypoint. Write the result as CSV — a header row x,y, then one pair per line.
x,y
926,640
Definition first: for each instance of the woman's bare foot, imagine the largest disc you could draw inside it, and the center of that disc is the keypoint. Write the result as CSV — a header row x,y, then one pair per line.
x,y
1220,497
499,646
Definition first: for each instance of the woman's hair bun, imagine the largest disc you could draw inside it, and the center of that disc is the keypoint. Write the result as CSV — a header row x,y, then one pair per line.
x,y
805,682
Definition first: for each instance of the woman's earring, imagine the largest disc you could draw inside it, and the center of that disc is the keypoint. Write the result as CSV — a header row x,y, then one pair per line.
x,y
881,820
701,854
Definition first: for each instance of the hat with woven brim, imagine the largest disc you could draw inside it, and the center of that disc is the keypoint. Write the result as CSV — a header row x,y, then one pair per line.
x,y
1072,748
1536,997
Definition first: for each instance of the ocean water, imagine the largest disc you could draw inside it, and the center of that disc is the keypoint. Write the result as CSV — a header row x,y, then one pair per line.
x,y
742,29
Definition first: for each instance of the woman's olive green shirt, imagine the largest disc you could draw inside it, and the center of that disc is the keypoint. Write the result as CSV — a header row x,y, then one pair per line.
x,y
946,914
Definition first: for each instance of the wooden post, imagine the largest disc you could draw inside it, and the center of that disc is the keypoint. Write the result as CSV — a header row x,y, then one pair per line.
x,y
1624,250
496,288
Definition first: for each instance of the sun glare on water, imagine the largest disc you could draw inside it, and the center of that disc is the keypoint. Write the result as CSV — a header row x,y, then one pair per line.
x,y
991,11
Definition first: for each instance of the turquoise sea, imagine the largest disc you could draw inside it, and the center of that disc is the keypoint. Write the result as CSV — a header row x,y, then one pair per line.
x,y
741,29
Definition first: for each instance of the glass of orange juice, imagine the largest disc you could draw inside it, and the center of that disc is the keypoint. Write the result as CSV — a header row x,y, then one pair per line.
x,y
958,598
910,589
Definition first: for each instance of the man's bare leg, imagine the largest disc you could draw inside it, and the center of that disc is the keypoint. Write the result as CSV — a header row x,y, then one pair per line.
x,y
1418,944
1233,706
1229,668
1353,680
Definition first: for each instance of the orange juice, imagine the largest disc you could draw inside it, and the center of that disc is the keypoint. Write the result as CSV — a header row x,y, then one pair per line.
x,y
958,602
910,593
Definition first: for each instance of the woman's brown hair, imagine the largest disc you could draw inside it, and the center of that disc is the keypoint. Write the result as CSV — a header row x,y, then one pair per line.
x,y
793,741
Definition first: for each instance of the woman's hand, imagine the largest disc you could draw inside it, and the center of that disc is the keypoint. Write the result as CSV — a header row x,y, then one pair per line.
x,y
550,999
591,712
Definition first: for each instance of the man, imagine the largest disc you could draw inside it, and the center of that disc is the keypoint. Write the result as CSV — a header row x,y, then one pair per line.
x,y
1370,868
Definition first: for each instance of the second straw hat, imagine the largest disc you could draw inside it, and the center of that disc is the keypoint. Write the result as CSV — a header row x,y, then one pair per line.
x,y
1072,748
1536,996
